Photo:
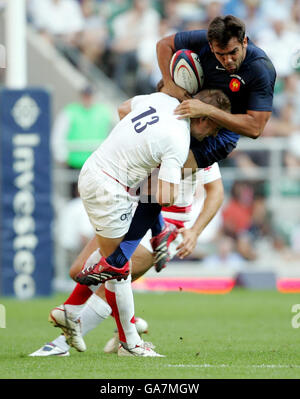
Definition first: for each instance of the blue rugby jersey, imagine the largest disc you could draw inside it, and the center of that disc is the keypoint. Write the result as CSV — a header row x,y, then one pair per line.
x,y
250,88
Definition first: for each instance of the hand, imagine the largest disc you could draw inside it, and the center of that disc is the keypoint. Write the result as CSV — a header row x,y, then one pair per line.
x,y
192,109
173,90
188,243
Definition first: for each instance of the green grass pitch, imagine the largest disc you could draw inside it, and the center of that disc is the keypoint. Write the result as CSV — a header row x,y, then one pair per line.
x,y
241,335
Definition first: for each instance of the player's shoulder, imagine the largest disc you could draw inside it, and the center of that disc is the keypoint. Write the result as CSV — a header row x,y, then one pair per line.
x,y
160,96
192,39
157,97
196,34
258,62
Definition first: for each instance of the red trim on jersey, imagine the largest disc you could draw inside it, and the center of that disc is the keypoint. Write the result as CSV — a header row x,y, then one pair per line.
x,y
208,168
177,209
79,295
111,300
178,223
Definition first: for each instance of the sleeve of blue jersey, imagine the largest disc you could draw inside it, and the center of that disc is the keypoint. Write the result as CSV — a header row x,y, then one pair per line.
x,y
191,40
261,86
214,149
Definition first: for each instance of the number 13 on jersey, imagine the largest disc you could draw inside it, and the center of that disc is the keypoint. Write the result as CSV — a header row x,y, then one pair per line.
x,y
140,125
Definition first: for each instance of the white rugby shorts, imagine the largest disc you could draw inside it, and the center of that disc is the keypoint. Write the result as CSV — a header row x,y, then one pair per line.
x,y
109,206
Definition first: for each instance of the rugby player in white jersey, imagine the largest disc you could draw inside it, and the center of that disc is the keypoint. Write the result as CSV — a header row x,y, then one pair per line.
x,y
94,310
149,136
205,129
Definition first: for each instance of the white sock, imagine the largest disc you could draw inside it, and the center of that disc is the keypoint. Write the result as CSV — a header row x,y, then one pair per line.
x,y
74,309
94,288
94,312
120,297
61,343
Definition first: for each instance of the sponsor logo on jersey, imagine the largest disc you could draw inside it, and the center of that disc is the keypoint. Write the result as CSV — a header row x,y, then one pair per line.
x,y
234,85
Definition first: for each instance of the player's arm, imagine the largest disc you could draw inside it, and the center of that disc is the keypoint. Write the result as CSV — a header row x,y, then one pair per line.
x,y
166,192
190,166
159,190
129,105
169,174
124,108
165,48
250,124
213,201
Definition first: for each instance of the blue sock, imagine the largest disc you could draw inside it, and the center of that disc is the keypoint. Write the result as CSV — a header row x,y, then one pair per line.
x,y
145,216
158,225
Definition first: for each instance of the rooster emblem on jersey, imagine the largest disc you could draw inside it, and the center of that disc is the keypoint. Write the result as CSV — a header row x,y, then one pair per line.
x,y
234,84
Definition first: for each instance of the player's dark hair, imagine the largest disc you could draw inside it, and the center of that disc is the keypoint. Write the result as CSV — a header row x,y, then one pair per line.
x,y
222,29
215,97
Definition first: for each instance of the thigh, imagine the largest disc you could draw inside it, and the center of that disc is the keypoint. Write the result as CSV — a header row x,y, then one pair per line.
x,y
108,205
108,245
90,247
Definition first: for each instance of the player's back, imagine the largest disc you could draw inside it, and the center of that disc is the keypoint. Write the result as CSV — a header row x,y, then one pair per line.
x,y
141,140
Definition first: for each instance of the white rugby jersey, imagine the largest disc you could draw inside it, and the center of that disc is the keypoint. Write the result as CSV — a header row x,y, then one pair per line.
x,y
181,210
149,136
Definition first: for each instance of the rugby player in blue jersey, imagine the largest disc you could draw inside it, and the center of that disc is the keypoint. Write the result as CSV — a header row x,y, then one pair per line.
x,y
233,63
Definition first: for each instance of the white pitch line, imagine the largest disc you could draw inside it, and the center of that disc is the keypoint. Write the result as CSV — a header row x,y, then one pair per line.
x,y
270,366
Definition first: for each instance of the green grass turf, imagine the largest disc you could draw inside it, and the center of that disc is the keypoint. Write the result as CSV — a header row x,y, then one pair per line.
x,y
244,334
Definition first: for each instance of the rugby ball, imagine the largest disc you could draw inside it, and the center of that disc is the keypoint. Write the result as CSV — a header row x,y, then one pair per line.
x,y
141,325
186,71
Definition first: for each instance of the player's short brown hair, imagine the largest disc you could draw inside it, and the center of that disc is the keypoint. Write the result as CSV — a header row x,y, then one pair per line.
x,y
215,97
222,29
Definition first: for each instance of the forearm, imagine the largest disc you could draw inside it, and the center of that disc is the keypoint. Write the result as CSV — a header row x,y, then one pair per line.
x,y
164,51
211,206
243,124
166,193
250,124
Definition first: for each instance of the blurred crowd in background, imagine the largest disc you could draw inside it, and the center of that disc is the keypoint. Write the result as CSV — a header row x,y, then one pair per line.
x,y
119,37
